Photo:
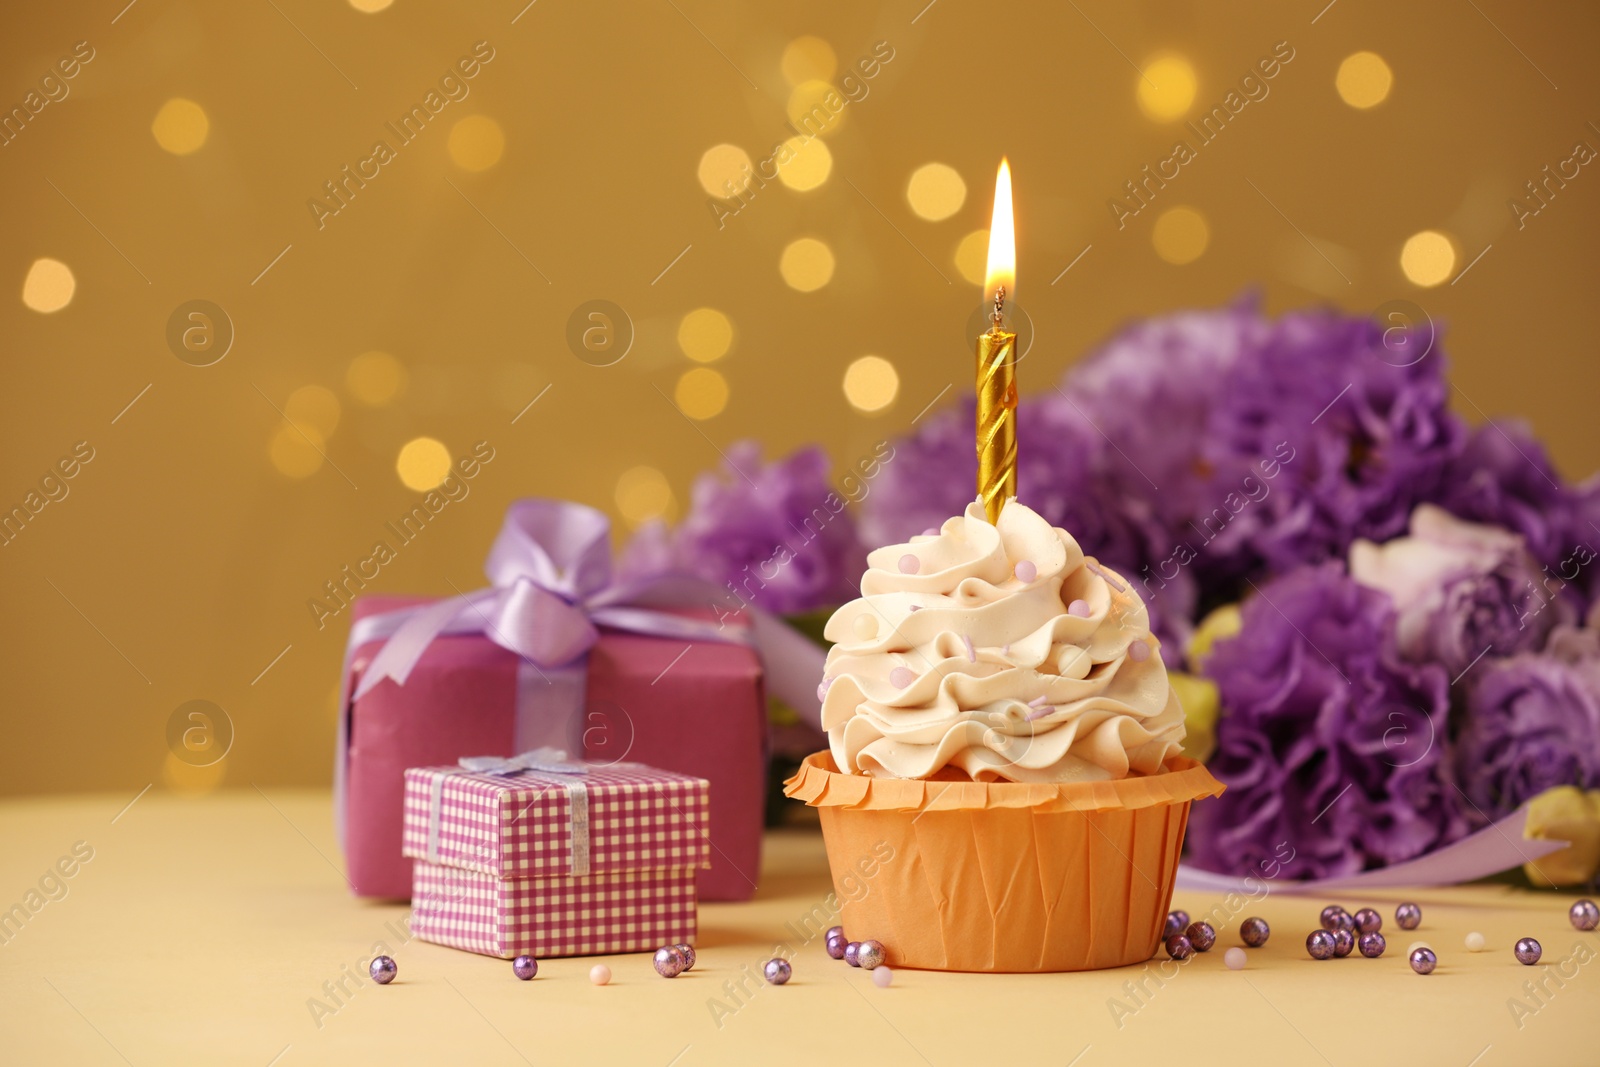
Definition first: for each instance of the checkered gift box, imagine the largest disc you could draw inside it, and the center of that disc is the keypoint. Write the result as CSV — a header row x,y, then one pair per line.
x,y
555,863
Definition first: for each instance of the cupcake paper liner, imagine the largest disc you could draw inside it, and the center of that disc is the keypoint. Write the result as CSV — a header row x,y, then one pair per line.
x,y
1004,876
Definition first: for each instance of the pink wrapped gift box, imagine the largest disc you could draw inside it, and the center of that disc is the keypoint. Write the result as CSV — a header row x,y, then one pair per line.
x,y
574,861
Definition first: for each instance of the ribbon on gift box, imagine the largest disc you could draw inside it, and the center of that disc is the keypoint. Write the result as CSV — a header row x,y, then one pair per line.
x,y
549,762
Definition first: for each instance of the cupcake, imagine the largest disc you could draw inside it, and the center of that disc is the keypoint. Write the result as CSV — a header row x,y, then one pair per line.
x,y
1003,789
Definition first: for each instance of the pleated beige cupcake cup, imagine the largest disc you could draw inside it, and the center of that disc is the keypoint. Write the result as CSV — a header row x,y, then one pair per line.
x,y
1005,876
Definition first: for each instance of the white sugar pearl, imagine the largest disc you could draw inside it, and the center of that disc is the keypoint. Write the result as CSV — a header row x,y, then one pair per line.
x,y
865,627
882,976
1475,942
1235,958
599,974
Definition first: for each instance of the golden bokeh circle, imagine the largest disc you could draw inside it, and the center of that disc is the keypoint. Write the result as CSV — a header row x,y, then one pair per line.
x,y
936,191
422,464
871,384
49,286
181,126
705,335
1166,88
375,379
313,407
1180,235
1428,258
295,451
808,164
972,256
477,142
1364,80
702,393
808,59
808,108
806,264
643,493
370,7
724,171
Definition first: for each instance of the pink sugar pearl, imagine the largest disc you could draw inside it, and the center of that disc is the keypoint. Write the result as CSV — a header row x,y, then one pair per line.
x,y
910,564
902,677
1138,651
1027,571
881,977
1080,608
599,974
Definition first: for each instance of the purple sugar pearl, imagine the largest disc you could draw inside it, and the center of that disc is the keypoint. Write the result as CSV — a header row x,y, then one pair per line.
x,y
1080,608
1138,651
1368,921
669,962
1408,916
1026,571
910,564
383,970
1372,944
1423,961
686,950
835,931
1336,918
852,953
1179,947
1177,923
1254,932
524,967
1344,942
1201,936
1320,943
837,945
902,677
1584,915
778,971
1528,951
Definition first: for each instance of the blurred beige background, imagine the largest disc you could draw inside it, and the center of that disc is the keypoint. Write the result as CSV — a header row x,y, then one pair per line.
x,y
177,162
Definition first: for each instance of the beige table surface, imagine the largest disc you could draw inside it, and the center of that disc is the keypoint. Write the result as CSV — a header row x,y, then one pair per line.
x,y
202,928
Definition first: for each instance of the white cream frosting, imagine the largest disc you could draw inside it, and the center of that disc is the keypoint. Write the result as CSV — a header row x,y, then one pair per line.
x,y
955,661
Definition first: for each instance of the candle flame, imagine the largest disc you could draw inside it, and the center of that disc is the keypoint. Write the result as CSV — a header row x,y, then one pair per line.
x,y
1002,269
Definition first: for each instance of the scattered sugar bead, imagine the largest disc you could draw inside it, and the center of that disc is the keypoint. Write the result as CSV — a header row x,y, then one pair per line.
x,y
915,607
669,962
1201,936
1475,942
902,677
1408,916
1080,608
1528,951
1368,921
1254,932
837,944
686,950
852,953
865,627
1026,571
881,977
1372,944
910,564
1344,942
835,931
1177,923
1040,712
1423,961
1320,944
383,970
822,692
1333,917
778,971
972,653
1179,947
1584,915
870,955
1235,958
599,974
524,967
1138,651
932,531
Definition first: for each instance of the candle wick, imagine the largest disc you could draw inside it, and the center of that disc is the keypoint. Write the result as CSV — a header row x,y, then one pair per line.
x,y
998,317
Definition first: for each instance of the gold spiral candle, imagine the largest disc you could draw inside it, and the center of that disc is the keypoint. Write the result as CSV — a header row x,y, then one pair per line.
x,y
997,363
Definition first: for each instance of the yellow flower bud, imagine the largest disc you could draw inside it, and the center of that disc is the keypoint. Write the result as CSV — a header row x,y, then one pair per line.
x,y
1565,813
1200,708
1220,625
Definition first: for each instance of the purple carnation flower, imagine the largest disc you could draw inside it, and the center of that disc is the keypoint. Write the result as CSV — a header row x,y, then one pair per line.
x,y
1329,743
779,535
1532,722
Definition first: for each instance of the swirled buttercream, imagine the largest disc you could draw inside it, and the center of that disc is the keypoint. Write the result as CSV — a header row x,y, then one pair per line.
x,y
999,651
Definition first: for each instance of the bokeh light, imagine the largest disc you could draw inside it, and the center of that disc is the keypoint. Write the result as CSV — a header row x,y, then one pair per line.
x,y
702,393
1180,235
809,166
48,286
477,143
806,264
705,335
972,256
312,406
724,170
642,494
808,59
871,383
375,379
294,451
809,111
1428,258
1364,80
936,191
181,126
1166,88
370,7
422,464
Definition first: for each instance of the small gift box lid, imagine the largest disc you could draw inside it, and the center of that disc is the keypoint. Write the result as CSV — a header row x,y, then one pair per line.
x,y
536,822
